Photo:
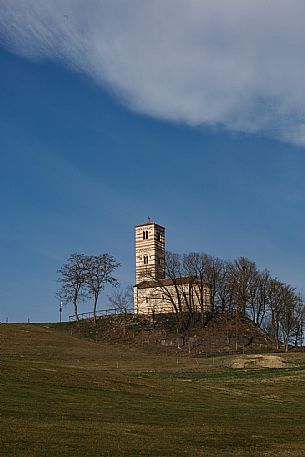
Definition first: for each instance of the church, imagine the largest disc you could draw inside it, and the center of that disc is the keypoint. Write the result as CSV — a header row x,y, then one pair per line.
x,y
153,292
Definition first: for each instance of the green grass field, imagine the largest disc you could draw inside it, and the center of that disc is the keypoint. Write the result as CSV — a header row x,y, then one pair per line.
x,y
64,396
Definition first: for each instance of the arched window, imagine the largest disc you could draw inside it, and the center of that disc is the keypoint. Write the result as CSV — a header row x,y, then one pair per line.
x,y
145,259
145,235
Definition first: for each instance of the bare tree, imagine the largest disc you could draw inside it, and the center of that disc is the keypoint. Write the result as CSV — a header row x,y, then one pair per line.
x,y
177,289
99,270
257,302
121,299
72,277
287,314
205,269
175,272
299,316
225,294
282,304
243,274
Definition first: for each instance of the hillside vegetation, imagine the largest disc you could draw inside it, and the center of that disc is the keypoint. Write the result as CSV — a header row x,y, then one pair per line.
x,y
68,396
220,332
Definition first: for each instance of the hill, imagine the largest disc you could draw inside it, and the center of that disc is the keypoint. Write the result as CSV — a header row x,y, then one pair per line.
x,y
65,395
218,333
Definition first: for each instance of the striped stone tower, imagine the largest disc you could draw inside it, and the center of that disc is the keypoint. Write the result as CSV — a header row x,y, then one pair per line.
x,y
150,251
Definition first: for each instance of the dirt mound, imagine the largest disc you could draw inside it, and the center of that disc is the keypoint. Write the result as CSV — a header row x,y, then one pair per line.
x,y
258,361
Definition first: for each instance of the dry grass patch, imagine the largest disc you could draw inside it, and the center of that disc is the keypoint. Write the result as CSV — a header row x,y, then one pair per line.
x,y
258,361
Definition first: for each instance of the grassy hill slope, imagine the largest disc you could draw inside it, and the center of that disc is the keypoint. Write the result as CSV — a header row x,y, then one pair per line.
x,y
63,395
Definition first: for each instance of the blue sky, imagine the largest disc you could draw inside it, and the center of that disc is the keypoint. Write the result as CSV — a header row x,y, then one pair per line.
x,y
85,157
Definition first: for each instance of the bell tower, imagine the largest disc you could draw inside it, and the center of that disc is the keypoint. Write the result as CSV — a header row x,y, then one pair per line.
x,y
150,251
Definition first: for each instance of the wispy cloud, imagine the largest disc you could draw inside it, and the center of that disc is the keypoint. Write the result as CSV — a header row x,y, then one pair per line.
x,y
235,64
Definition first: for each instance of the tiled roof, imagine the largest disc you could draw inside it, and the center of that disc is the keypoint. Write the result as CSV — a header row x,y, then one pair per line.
x,y
168,282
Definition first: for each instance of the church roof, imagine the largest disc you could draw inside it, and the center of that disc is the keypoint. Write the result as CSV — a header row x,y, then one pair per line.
x,y
169,282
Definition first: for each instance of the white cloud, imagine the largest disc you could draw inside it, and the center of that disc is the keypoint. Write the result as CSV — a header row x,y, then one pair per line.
x,y
231,63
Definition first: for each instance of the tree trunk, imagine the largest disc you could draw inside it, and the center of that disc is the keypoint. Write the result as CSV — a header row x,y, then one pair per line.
x,y
75,306
286,345
277,337
94,308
